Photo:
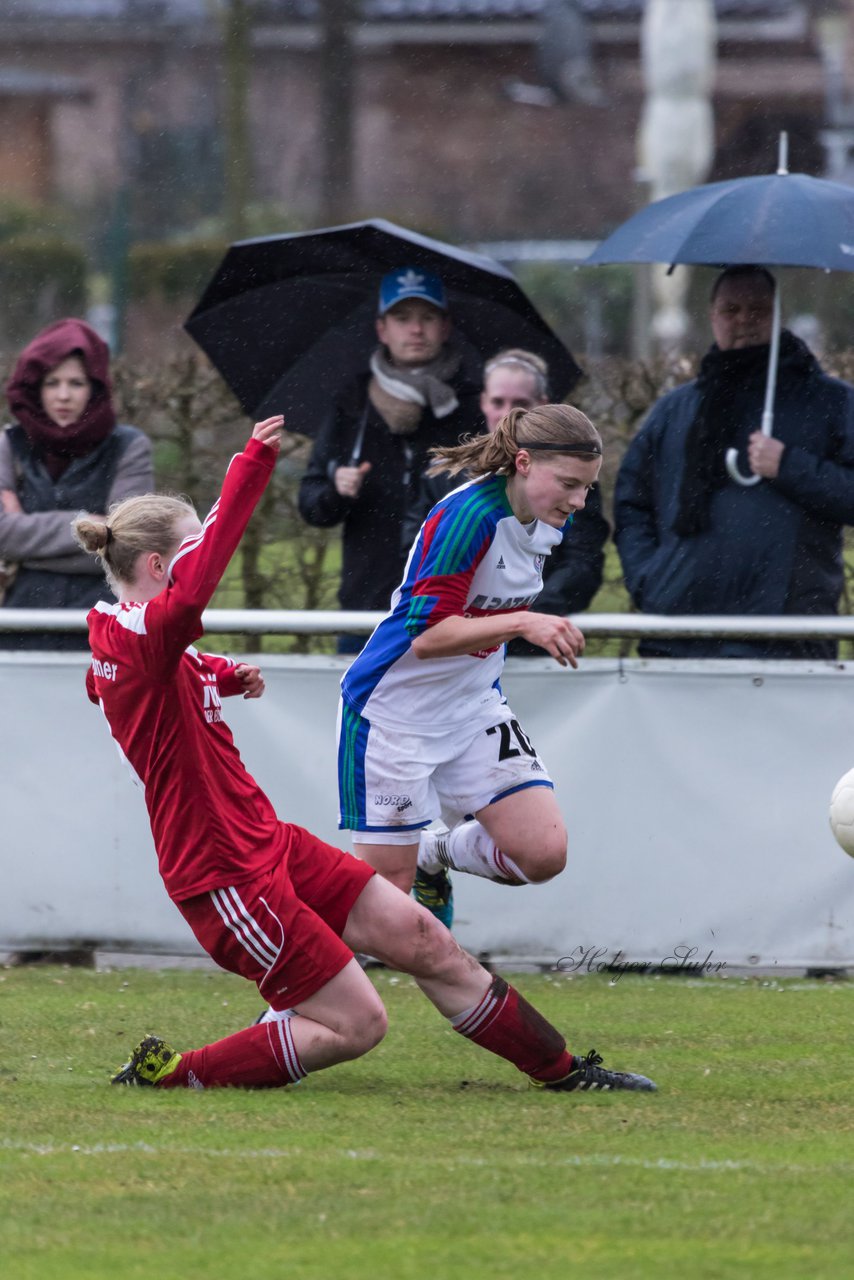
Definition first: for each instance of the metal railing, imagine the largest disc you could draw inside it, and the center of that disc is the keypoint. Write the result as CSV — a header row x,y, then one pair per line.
x,y
594,625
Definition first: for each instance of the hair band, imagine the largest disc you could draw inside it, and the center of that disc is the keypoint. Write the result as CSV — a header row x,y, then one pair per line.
x,y
592,449
109,536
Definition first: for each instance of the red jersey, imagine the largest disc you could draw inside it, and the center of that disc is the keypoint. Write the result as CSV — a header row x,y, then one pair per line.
x,y
211,822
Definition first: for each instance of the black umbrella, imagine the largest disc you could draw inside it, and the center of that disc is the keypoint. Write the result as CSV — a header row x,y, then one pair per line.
x,y
289,320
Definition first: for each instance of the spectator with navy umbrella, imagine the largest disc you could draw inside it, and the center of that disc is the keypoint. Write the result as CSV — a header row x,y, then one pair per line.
x,y
693,542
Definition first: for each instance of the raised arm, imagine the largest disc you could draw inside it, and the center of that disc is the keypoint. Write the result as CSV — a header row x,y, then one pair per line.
x,y
175,616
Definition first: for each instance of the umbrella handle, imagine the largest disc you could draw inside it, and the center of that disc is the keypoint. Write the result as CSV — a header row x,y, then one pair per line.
x,y
735,474
356,453
767,427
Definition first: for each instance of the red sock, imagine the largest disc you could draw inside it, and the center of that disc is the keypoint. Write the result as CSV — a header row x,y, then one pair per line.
x,y
261,1057
504,1023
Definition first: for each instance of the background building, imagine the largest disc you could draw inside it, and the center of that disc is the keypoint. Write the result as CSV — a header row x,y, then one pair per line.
x,y
476,120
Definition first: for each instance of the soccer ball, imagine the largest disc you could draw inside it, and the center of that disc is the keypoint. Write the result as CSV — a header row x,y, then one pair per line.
x,y
842,812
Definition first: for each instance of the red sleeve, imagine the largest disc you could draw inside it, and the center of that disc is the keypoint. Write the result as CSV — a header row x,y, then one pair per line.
x,y
173,619
90,686
224,667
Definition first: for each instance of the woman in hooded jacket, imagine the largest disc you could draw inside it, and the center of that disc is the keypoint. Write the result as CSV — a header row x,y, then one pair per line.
x,y
63,453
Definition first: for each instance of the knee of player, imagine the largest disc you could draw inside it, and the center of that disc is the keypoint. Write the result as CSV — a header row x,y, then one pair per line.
x,y
369,1027
436,952
549,859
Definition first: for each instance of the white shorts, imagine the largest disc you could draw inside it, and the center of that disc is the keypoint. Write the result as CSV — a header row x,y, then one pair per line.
x,y
393,782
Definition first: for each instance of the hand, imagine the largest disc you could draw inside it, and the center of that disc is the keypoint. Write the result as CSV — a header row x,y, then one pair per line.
x,y
558,636
349,480
9,503
270,431
251,679
764,454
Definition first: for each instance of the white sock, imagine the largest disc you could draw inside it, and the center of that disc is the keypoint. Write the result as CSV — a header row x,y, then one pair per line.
x,y
468,847
276,1015
428,852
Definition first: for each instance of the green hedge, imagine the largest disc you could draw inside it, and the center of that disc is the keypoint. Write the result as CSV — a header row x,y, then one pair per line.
x,y
172,271
41,278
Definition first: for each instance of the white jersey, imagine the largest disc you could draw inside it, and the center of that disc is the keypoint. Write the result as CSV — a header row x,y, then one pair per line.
x,y
472,558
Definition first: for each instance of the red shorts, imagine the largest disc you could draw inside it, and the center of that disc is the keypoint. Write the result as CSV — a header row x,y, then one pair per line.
x,y
283,930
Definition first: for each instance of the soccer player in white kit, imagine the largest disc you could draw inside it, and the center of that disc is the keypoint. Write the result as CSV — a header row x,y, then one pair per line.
x,y
265,898
425,732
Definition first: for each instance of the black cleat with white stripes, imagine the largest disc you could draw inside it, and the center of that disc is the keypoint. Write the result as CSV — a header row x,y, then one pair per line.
x,y
588,1075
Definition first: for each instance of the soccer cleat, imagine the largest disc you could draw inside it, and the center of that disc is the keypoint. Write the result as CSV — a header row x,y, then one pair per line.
x,y
150,1061
435,891
588,1075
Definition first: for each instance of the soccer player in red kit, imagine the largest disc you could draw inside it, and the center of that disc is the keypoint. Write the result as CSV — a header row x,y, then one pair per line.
x,y
265,898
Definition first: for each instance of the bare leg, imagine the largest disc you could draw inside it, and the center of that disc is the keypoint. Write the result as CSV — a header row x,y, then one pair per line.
x,y
479,1006
529,828
394,862
385,923
343,1020
520,839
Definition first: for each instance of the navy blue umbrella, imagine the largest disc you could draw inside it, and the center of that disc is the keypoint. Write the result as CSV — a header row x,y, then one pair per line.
x,y
774,220
778,219
289,320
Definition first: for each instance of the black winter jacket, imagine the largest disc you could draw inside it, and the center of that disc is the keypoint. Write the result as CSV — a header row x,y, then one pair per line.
x,y
373,556
773,548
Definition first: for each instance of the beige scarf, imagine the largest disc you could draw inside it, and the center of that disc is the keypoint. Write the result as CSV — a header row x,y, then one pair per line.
x,y
400,395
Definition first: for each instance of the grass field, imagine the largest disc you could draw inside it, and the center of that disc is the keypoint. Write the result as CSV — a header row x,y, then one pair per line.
x,y
430,1158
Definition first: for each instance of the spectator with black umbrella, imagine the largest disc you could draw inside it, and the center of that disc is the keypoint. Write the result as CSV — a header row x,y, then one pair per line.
x,y
421,390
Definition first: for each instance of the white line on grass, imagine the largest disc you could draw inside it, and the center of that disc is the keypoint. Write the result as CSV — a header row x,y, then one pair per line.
x,y
661,1165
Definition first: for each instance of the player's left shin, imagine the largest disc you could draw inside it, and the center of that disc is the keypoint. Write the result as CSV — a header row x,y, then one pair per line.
x,y
506,1024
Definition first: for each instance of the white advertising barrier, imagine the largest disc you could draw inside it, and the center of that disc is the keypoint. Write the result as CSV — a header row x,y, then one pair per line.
x,y
695,795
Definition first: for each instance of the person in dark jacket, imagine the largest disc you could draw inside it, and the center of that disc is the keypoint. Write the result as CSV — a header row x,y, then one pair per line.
x,y
373,443
691,540
63,453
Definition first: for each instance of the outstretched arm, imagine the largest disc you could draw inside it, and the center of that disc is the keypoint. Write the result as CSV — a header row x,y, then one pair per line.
x,y
439,620
453,637
235,678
